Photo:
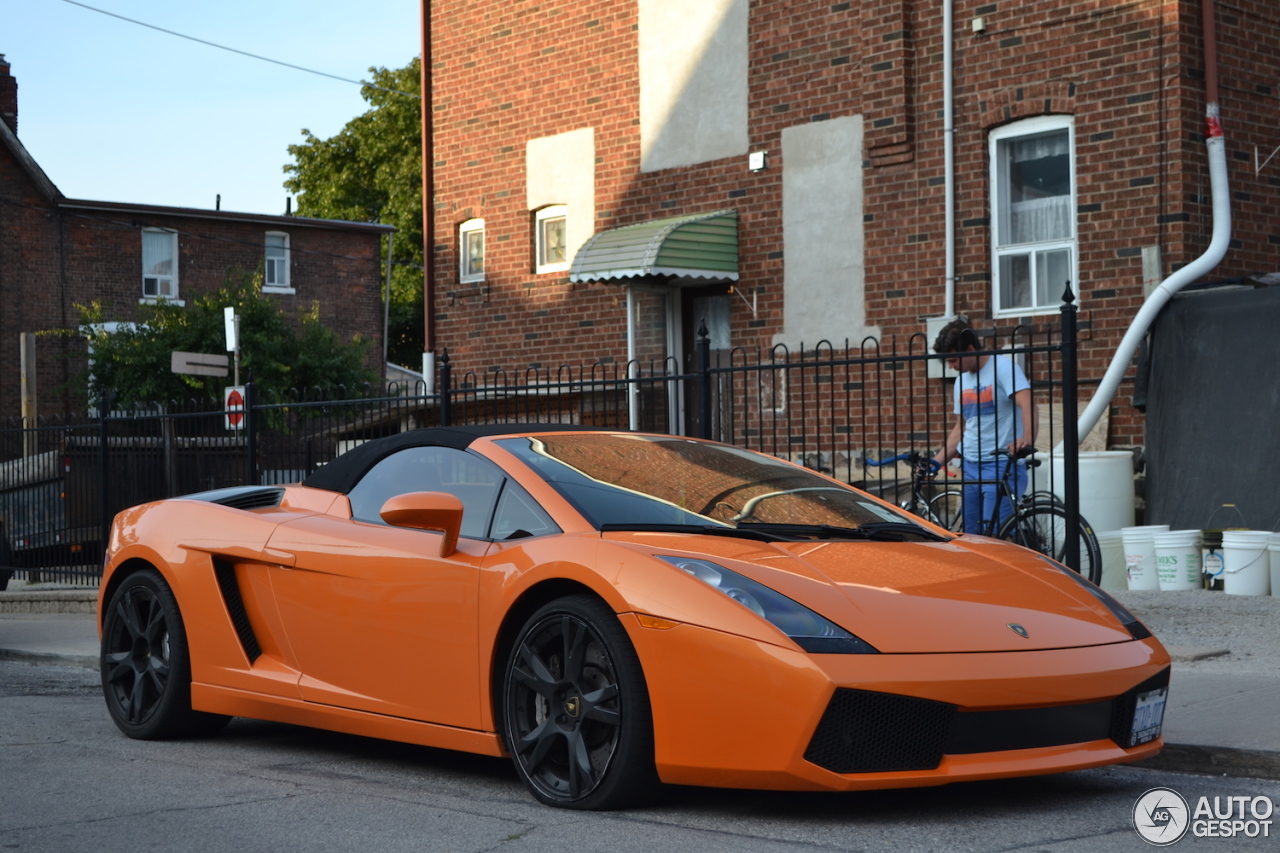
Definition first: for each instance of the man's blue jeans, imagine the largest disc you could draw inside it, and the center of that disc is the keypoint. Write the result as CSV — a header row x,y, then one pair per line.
x,y
978,500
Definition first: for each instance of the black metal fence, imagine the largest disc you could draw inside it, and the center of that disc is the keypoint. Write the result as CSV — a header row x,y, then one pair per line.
x,y
61,481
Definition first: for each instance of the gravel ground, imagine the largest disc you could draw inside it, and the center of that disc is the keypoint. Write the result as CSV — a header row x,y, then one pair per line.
x,y
1249,626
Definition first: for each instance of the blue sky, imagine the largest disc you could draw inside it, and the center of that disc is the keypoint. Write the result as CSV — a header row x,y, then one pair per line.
x,y
113,111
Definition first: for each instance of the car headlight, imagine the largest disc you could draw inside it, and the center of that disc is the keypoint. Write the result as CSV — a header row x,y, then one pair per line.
x,y
1130,622
810,631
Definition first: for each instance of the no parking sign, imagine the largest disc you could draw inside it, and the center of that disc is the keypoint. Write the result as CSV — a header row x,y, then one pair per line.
x,y
233,406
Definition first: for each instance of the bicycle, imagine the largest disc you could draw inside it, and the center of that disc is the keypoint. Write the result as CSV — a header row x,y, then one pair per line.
x,y
1038,520
944,508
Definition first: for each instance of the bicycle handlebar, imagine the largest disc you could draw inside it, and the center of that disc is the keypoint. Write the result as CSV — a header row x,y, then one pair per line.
x,y
912,457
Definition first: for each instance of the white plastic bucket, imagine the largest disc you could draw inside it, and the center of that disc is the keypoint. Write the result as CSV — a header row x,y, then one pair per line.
x,y
1111,544
1140,555
1246,565
1106,486
1273,554
1178,559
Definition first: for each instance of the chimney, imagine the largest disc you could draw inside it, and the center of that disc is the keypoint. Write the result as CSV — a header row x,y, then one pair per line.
x,y
8,96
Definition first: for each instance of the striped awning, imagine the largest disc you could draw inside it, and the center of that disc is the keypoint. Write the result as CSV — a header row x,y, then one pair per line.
x,y
701,248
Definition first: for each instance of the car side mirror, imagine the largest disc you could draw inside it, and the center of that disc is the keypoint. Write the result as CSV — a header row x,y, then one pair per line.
x,y
427,511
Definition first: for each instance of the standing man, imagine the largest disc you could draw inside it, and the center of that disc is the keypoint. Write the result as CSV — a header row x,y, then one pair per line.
x,y
994,412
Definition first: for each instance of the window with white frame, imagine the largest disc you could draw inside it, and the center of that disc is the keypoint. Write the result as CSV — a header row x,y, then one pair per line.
x,y
1033,214
275,274
471,250
549,238
159,264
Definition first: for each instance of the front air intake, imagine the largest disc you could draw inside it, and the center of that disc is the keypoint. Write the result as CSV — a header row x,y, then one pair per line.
x,y
866,732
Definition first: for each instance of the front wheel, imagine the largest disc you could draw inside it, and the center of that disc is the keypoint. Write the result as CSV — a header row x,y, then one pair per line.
x,y
146,670
576,709
1042,527
946,509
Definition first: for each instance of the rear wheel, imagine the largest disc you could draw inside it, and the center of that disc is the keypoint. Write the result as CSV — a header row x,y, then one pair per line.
x,y
576,710
947,510
146,670
1042,526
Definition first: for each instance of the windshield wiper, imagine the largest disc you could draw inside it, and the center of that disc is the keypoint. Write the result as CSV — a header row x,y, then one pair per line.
x,y
700,529
880,531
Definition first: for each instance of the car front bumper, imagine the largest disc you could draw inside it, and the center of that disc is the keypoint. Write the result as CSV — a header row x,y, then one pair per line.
x,y
729,711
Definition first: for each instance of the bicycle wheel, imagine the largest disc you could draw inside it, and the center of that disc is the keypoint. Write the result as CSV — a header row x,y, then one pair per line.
x,y
946,509
1042,527
1044,497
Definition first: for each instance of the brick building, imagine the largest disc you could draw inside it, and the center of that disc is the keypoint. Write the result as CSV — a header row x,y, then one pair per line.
x,y
57,252
810,136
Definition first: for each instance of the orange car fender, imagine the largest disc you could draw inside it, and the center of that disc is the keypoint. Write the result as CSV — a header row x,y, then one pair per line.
x,y
518,577
157,534
627,579
727,710
511,576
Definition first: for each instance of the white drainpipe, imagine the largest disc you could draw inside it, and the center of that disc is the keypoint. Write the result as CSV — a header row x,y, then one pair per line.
x,y
948,149
1191,272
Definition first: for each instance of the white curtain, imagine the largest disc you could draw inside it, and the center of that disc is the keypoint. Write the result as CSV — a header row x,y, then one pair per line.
x,y
157,253
1040,219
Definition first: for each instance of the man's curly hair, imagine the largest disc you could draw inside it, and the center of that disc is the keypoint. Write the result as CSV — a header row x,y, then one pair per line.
x,y
956,336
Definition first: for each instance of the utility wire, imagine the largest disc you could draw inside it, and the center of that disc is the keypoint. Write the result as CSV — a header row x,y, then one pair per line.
x,y
243,52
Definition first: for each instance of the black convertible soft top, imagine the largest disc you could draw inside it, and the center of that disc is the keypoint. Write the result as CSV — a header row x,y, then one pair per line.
x,y
342,474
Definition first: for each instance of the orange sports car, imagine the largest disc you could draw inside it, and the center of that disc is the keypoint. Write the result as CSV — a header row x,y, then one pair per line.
x,y
615,611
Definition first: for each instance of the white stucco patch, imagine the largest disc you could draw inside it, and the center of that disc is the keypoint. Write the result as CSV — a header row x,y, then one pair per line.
x,y
561,169
693,81
824,277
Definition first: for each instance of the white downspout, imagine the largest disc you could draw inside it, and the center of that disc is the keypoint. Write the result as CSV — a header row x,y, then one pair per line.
x,y
633,392
1191,272
948,153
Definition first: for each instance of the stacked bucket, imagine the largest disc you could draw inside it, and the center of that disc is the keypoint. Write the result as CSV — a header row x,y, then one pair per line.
x,y
1223,556
1237,561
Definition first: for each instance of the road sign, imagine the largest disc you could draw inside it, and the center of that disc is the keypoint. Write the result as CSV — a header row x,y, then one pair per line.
x,y
199,363
232,328
233,406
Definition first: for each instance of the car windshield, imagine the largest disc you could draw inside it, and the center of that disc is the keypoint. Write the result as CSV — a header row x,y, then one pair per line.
x,y
620,481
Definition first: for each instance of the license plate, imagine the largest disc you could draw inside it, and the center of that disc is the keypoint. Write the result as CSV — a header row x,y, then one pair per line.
x,y
1148,716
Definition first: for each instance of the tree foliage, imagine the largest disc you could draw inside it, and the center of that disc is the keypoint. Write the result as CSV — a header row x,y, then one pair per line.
x,y
131,364
371,171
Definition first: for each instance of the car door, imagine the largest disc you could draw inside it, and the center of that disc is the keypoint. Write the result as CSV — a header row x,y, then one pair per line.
x,y
379,620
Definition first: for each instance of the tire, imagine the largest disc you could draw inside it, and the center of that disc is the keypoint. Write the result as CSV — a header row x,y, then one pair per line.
x,y
1042,527
946,509
576,713
145,665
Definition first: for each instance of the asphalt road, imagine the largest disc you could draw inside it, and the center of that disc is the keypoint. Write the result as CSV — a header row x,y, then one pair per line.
x,y
70,782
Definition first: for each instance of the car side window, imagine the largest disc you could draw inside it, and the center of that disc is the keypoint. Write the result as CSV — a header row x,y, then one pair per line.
x,y
519,515
472,480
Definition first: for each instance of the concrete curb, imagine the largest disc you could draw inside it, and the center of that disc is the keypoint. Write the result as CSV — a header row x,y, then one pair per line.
x,y
49,601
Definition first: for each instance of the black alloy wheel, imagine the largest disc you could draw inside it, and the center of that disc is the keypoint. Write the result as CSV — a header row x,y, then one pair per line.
x,y
576,710
146,670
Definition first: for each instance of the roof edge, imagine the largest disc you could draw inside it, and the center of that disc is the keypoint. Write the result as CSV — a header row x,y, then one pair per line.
x,y
234,216
29,164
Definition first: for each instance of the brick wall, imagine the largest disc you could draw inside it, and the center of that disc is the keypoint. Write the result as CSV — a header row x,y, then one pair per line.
x,y
1131,74
55,257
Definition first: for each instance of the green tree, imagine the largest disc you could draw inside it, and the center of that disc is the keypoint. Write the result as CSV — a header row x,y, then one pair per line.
x,y
132,363
371,171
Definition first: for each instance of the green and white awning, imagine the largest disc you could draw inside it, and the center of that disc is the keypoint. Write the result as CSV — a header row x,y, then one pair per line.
x,y
698,249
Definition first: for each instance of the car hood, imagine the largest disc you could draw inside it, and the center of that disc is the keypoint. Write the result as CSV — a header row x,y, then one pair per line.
x,y
965,595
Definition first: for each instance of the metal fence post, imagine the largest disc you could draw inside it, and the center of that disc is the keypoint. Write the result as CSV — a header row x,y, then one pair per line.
x,y
250,434
703,364
1070,428
446,374
104,509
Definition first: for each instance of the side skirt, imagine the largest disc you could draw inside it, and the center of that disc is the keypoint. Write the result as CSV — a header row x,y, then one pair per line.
x,y
242,703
